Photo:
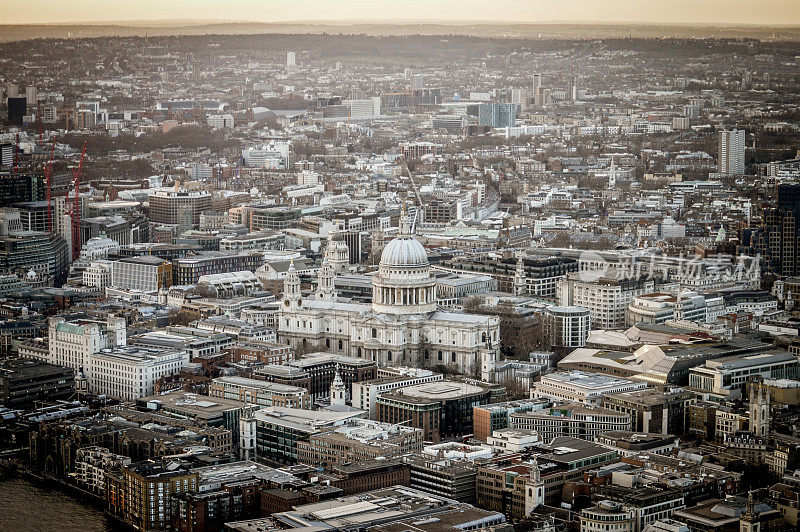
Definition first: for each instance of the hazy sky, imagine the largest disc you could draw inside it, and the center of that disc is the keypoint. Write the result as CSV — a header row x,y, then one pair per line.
x,y
664,11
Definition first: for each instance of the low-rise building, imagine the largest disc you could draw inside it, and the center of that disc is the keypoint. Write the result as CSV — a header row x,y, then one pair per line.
x,y
440,409
582,387
356,441
258,392
571,419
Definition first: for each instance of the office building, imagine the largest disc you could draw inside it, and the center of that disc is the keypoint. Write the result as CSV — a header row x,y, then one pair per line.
x,y
17,109
582,387
40,257
607,299
25,382
497,114
365,393
726,377
130,372
259,392
411,510
222,121
278,429
145,273
570,419
450,477
71,343
290,60
778,239
566,326
441,409
731,154
21,187
358,441
172,206
486,419
537,277
189,270
652,411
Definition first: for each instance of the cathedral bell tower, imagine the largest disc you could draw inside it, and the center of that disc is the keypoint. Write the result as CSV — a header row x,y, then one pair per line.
x,y
325,286
291,288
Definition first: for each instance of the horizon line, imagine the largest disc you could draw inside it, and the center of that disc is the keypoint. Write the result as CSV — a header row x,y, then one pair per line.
x,y
379,22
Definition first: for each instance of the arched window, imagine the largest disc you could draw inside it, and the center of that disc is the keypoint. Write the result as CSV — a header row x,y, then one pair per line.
x,y
389,356
327,342
359,352
440,356
340,345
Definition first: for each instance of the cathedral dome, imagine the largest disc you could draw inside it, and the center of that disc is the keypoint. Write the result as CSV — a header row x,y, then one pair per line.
x,y
404,251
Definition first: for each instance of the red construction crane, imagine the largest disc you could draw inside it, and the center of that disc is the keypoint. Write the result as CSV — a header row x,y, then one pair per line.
x,y
49,177
76,209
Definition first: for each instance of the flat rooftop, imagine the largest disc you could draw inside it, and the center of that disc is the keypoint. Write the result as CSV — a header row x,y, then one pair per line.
x,y
441,390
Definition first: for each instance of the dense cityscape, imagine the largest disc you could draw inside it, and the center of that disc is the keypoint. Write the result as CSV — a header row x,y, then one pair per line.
x,y
421,282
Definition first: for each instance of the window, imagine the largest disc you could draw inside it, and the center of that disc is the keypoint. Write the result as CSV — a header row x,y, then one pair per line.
x,y
374,333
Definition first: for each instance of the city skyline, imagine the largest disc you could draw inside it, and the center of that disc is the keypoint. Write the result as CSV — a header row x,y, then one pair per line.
x,y
705,12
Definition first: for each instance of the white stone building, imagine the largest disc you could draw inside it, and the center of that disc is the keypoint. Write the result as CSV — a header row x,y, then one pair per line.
x,y
130,372
402,326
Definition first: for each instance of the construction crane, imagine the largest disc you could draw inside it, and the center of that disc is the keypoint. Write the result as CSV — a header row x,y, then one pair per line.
x,y
416,193
76,208
49,177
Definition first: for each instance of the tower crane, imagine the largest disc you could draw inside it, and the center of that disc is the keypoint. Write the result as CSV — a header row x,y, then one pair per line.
x,y
76,208
49,177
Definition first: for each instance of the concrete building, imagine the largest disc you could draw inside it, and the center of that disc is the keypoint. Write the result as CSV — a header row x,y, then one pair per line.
x,y
25,382
358,440
258,392
488,419
573,420
145,273
169,206
365,393
582,387
278,429
71,343
441,409
606,299
726,377
731,154
130,372
566,326
653,411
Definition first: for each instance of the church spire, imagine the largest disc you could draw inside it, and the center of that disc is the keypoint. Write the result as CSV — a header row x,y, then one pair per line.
x,y
338,390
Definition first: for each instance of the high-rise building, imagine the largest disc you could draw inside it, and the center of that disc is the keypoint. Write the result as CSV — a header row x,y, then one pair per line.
x,y
731,152
497,114
537,82
290,60
572,91
778,239
17,109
